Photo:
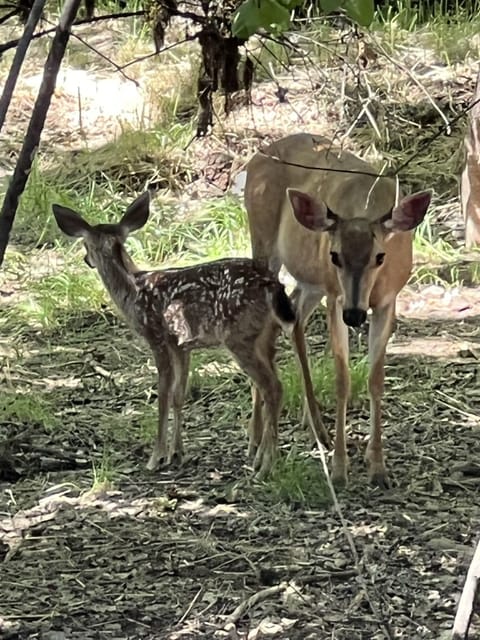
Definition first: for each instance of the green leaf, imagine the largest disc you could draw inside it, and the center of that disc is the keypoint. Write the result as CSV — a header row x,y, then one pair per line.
x,y
360,10
291,4
330,5
253,15
246,19
274,14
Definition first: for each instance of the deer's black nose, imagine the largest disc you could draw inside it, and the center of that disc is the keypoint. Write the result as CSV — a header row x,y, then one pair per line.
x,y
354,317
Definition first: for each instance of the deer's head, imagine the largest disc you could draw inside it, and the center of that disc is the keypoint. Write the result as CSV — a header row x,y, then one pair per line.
x,y
103,242
358,246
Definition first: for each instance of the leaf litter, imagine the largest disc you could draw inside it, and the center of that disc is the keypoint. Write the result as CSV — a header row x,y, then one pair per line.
x,y
93,546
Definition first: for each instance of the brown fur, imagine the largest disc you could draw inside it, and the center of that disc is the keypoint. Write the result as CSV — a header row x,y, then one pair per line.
x,y
347,214
234,303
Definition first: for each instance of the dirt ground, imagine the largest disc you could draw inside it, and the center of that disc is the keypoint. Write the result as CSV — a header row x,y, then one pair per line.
x,y
200,552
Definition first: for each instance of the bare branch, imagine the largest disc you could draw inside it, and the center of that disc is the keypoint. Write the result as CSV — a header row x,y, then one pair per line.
x,y
11,44
36,124
9,87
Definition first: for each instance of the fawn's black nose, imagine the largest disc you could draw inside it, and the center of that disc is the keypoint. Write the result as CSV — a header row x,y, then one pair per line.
x,y
354,317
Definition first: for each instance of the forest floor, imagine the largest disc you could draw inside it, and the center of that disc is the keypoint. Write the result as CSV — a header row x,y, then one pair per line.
x,y
94,546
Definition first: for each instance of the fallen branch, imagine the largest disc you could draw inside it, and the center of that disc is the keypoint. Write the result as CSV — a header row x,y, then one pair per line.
x,y
470,595
253,600
264,594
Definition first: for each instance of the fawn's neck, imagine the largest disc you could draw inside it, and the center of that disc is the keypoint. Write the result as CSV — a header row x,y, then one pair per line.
x,y
117,274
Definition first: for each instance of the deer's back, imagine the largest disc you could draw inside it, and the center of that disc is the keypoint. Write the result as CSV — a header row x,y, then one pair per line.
x,y
202,305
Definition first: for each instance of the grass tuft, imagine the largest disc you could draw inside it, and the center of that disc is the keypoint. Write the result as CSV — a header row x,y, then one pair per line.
x,y
28,408
323,377
298,481
56,299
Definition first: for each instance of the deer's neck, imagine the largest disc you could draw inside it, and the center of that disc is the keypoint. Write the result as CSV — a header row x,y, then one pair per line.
x,y
118,277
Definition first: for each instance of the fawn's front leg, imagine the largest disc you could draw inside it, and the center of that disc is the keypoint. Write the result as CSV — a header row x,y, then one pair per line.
x,y
165,384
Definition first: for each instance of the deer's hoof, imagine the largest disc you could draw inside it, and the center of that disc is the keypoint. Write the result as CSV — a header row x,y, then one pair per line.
x,y
339,473
379,478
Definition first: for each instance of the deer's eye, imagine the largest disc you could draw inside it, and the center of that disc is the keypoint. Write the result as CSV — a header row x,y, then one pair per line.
x,y
380,258
335,258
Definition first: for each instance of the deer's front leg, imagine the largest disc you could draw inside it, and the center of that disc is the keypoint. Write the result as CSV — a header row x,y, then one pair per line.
x,y
305,303
339,343
165,384
380,331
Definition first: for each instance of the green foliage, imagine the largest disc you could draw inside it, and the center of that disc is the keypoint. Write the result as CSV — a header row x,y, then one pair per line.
x,y
55,299
298,481
27,408
323,376
218,230
275,15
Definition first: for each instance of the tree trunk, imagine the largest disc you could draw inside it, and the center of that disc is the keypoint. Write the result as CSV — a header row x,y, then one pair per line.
x,y
37,121
470,181
33,18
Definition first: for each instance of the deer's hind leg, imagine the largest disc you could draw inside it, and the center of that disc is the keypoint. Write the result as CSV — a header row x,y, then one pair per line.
x,y
255,355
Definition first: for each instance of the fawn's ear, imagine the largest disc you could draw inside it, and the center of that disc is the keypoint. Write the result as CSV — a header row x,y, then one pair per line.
x,y
137,214
70,222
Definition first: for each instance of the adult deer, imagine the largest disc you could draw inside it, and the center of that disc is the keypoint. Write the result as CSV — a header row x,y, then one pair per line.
x,y
340,232
233,302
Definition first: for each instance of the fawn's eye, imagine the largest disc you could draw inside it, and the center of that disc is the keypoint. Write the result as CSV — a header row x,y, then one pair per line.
x,y
380,258
335,258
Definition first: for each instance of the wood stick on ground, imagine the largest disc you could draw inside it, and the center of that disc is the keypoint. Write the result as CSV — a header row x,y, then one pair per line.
x,y
20,53
253,600
37,121
470,595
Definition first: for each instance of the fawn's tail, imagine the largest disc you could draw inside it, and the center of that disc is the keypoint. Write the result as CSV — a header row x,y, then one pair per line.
x,y
283,308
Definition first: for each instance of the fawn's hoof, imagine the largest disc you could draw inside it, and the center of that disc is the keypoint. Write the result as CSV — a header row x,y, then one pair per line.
x,y
175,458
156,461
252,450
263,463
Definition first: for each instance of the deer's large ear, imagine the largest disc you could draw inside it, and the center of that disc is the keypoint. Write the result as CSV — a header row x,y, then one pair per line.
x,y
137,214
309,212
409,212
70,222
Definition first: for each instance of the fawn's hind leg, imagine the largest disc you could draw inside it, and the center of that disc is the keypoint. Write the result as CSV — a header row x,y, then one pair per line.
x,y
255,426
255,354
181,363
165,384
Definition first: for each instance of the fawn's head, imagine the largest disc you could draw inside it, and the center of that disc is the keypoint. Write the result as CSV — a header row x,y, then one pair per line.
x,y
103,241
358,245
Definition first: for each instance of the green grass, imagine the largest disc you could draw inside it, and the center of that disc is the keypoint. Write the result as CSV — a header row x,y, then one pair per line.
x,y
323,377
297,480
56,299
218,230
28,408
